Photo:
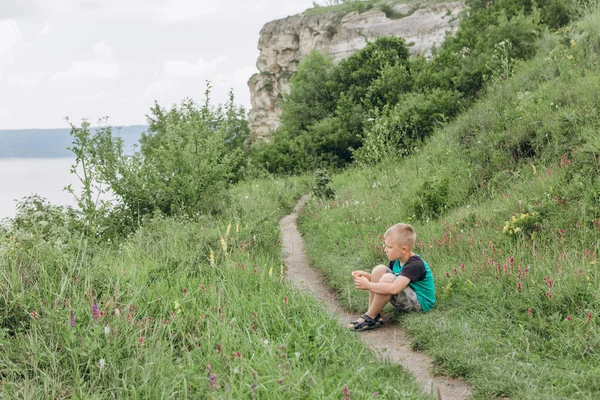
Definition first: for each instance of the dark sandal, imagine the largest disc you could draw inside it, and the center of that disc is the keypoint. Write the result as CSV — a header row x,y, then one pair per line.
x,y
368,323
364,317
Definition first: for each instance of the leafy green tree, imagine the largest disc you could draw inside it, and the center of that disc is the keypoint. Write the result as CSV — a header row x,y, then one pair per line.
x,y
312,96
355,74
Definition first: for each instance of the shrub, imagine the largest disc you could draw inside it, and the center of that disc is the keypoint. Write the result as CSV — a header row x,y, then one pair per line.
x,y
321,187
187,160
431,198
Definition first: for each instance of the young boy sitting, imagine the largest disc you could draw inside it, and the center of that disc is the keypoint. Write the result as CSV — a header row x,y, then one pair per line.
x,y
406,281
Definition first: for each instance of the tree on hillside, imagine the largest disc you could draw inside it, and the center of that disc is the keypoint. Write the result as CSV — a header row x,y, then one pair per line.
x,y
312,96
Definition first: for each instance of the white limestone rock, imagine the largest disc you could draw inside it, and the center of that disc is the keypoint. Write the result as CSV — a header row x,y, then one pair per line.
x,y
283,43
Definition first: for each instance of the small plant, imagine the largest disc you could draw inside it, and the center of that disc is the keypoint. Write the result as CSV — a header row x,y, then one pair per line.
x,y
502,63
331,31
522,224
431,199
321,187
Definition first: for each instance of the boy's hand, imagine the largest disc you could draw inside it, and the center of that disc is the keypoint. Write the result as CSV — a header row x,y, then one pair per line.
x,y
357,274
361,282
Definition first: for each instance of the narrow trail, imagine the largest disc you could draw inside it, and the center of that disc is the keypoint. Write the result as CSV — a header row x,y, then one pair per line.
x,y
389,342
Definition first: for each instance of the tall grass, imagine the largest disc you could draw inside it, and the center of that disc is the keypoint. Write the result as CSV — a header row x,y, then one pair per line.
x,y
514,246
185,308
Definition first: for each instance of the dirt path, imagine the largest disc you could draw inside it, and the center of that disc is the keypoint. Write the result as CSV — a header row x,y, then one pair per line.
x,y
396,350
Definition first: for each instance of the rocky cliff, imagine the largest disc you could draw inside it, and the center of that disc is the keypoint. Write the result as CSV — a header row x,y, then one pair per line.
x,y
283,43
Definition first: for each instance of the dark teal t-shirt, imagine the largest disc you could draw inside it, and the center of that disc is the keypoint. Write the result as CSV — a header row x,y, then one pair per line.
x,y
421,279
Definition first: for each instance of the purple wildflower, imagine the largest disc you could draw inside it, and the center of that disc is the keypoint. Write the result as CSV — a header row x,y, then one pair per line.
x,y
94,310
212,381
253,388
72,321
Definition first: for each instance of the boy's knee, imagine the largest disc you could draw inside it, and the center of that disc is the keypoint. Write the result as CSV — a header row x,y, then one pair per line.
x,y
380,269
387,278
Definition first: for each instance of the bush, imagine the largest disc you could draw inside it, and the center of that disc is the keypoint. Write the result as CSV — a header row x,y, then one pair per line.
x,y
321,187
187,159
431,199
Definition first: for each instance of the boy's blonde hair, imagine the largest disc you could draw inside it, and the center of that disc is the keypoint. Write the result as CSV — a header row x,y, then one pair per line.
x,y
403,234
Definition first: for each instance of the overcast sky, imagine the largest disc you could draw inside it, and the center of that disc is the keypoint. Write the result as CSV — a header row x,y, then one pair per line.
x,y
95,58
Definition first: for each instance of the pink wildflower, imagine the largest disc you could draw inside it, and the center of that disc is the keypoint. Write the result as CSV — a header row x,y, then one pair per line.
x,y
346,393
212,382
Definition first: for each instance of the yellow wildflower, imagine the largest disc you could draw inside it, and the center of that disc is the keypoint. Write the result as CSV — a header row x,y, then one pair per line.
x,y
270,271
523,216
281,270
212,258
506,227
534,170
573,44
228,230
237,228
223,244
570,57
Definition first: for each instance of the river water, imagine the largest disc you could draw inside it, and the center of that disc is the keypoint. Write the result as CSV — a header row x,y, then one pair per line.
x,y
20,177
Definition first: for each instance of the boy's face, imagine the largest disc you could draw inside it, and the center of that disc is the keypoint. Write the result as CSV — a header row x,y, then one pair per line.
x,y
394,250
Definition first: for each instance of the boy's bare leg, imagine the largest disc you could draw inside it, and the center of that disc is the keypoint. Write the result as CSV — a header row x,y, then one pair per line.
x,y
376,275
379,300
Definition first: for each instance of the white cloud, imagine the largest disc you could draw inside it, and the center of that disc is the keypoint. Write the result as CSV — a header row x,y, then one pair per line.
x,y
4,113
14,8
183,69
102,49
11,41
237,79
160,86
186,10
47,29
26,80
81,70
162,10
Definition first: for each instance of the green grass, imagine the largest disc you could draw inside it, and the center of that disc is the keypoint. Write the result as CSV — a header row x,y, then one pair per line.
x,y
360,6
186,327
517,311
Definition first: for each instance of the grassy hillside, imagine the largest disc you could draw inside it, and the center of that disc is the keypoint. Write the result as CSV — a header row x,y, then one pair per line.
x,y
184,308
506,205
361,6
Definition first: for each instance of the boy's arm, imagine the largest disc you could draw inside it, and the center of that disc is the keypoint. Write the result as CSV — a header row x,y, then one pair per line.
x,y
384,287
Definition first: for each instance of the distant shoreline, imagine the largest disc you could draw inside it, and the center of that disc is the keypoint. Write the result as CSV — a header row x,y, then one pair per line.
x,y
53,143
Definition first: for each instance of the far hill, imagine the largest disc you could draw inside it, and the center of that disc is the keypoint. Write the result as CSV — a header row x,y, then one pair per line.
x,y
53,143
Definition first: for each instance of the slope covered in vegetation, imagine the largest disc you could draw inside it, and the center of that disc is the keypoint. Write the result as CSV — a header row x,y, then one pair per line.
x,y
175,286
506,203
381,101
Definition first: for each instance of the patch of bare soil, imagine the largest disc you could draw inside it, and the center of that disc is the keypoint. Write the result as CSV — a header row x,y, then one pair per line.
x,y
389,342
